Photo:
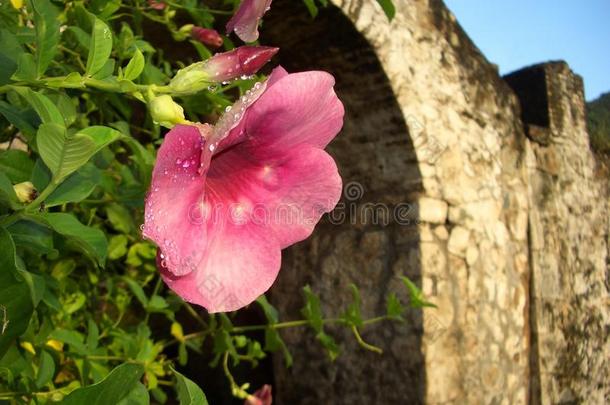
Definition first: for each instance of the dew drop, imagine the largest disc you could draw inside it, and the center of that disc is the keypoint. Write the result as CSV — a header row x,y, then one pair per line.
x,y
186,164
178,161
212,147
142,227
228,108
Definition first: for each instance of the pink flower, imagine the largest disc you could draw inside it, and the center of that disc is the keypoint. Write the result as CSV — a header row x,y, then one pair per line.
x,y
242,61
245,21
261,397
157,5
207,36
225,200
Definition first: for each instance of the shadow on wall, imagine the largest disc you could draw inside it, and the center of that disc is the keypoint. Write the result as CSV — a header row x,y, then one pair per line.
x,y
370,238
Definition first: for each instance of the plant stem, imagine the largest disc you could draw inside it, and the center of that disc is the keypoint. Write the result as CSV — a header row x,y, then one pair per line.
x,y
236,390
362,343
42,196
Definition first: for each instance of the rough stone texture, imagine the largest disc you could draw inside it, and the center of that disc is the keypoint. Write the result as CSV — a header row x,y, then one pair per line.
x,y
569,237
487,200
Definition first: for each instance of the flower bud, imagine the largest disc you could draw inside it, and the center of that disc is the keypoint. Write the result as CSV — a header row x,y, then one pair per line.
x,y
261,397
222,67
207,36
165,111
156,5
26,192
183,33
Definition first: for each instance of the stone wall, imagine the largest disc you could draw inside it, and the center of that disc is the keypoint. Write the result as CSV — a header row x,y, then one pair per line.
x,y
492,207
568,222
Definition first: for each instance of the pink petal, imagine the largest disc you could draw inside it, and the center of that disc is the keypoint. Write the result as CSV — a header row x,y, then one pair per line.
x,y
230,128
301,108
245,21
177,187
241,263
287,193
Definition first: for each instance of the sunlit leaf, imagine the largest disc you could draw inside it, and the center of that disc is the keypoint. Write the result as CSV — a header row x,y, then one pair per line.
x,y
100,47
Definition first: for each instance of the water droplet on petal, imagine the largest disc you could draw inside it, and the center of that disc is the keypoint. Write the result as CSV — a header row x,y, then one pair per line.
x,y
228,108
178,161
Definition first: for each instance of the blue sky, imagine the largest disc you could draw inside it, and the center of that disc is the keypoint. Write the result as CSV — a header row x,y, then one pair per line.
x,y
518,33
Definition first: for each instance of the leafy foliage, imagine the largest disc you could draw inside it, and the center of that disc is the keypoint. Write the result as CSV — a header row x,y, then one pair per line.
x,y
598,117
84,315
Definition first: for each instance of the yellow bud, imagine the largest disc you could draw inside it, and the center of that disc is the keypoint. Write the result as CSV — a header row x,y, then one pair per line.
x,y
165,111
55,344
28,347
25,191
177,332
17,3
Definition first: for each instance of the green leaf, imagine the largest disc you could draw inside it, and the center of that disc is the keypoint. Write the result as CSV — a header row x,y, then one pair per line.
x,y
70,337
270,312
93,335
46,369
120,218
388,8
10,51
7,192
117,247
111,390
76,187
135,66
332,348
88,240
417,297
273,340
63,154
45,108
46,25
312,310
73,81
137,396
188,392
16,164
16,306
311,7
157,303
100,47
32,236
106,71
394,308
353,316
137,291
26,68
17,118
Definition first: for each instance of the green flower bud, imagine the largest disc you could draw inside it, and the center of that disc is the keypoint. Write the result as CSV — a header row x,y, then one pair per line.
x,y
183,33
26,192
165,111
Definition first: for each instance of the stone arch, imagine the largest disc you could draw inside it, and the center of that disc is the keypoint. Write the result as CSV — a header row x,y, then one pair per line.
x,y
371,238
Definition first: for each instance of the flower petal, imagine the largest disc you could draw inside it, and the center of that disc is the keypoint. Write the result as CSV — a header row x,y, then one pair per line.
x,y
300,108
172,219
287,193
245,21
240,264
